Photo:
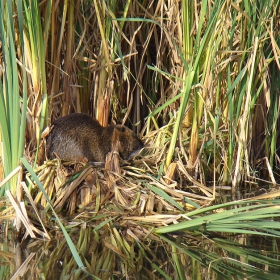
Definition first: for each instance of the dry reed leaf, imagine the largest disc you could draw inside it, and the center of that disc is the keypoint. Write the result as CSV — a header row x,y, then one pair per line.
x,y
46,131
35,209
170,173
163,204
66,192
23,268
111,180
160,206
113,162
270,172
21,214
7,214
270,195
114,249
157,219
198,198
150,205
130,233
274,44
202,188
12,174
39,232
171,191
86,190
143,202
123,198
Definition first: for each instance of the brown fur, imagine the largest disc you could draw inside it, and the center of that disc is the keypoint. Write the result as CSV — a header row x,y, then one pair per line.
x,y
78,136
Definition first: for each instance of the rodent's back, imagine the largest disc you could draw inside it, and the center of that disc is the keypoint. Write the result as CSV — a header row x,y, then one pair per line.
x,y
78,136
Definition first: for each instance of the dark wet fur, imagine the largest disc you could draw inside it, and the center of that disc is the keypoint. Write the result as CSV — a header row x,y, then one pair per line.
x,y
78,136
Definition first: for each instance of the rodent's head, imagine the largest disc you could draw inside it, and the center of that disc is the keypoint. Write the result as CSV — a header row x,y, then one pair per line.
x,y
130,144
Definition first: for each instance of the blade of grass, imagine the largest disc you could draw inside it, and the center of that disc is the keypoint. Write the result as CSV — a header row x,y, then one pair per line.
x,y
164,195
67,237
12,120
233,217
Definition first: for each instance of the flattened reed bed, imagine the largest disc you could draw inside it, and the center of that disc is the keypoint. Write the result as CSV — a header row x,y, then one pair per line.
x,y
138,190
118,220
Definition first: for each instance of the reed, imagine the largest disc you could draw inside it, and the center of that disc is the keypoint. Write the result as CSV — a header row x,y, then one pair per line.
x,y
13,97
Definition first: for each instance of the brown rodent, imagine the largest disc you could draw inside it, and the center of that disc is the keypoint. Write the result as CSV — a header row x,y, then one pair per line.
x,y
78,136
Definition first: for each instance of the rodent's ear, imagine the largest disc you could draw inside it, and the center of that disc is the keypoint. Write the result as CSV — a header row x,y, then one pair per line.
x,y
120,128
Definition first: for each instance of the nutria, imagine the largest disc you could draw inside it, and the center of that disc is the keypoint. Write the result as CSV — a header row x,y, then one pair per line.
x,y
79,136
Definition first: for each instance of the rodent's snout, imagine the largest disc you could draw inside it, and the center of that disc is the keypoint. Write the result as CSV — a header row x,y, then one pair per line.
x,y
136,152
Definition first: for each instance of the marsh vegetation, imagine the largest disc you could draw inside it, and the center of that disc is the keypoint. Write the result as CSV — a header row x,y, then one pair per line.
x,y
198,81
